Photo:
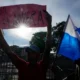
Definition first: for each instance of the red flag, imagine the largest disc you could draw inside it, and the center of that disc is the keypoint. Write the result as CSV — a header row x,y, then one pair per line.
x,y
30,14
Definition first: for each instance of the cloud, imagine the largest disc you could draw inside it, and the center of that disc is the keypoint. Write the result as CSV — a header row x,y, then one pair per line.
x,y
59,9
26,33
12,38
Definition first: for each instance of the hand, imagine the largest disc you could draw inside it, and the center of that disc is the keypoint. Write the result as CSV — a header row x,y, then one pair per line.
x,y
77,62
1,33
48,17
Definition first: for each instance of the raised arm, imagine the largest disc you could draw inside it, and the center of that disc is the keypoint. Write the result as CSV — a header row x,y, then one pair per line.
x,y
48,40
14,58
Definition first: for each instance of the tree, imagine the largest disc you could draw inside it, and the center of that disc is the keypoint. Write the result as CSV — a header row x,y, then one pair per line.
x,y
16,49
40,37
39,40
57,34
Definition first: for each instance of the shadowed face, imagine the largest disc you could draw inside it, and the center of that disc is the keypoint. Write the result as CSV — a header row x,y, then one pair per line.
x,y
33,56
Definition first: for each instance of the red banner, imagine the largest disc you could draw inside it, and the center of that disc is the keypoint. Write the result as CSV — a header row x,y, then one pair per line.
x,y
30,14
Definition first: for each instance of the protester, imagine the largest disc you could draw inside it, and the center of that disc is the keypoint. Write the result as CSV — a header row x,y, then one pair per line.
x,y
31,70
77,72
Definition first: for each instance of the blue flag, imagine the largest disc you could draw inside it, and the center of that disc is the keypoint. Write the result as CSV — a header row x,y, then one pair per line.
x,y
70,44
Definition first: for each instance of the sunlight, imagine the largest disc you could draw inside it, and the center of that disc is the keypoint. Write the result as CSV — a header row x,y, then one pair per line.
x,y
22,31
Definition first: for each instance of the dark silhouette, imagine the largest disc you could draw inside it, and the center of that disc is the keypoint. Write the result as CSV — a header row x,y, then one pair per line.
x,y
77,74
31,70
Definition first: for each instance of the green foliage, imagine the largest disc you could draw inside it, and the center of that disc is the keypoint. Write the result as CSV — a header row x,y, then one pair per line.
x,y
16,49
40,37
57,34
39,40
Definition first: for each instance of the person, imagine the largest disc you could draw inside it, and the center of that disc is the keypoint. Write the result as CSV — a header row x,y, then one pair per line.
x,y
77,71
33,69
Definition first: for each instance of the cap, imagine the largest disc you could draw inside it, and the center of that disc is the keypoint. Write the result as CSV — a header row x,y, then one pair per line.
x,y
33,48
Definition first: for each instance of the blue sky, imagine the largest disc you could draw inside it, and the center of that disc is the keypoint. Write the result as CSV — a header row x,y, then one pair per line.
x,y
59,9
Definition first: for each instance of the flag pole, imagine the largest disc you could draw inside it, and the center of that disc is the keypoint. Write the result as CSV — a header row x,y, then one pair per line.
x,y
60,42
62,36
77,66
